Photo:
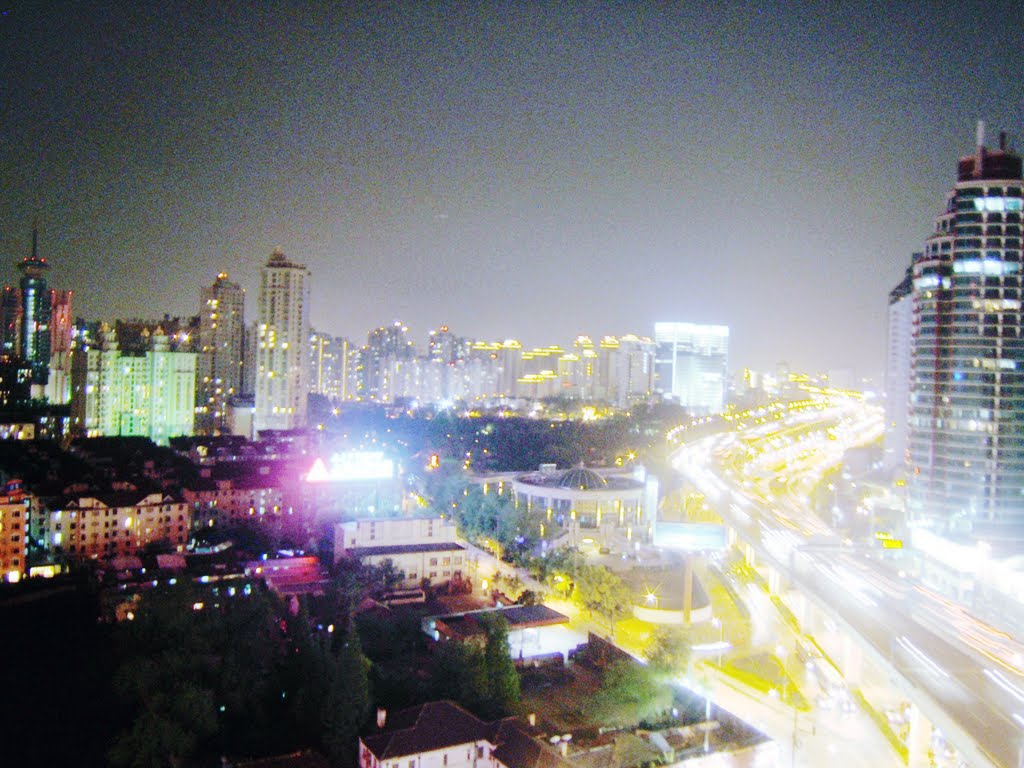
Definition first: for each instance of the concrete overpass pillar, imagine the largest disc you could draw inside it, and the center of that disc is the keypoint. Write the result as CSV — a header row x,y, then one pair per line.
x,y
748,555
774,580
798,605
919,740
851,663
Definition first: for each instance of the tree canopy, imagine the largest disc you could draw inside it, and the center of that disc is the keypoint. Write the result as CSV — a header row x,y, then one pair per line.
x,y
603,592
630,693
205,674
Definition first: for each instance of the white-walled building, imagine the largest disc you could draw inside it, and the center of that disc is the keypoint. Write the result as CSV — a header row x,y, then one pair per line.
x,y
441,734
582,497
282,363
421,548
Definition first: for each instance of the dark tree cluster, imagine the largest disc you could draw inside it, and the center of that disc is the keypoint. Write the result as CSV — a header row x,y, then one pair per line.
x,y
503,443
482,679
240,676
58,707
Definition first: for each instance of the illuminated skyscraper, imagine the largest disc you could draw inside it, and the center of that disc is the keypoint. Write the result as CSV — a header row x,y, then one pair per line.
x,y
691,364
328,366
634,375
282,363
58,388
147,393
966,415
221,349
35,314
384,346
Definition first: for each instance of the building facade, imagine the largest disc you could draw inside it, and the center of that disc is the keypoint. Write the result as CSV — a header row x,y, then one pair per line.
x,y
692,363
631,369
282,365
897,370
420,548
221,350
14,529
151,394
966,404
112,524
581,500
329,366
58,387
441,734
388,348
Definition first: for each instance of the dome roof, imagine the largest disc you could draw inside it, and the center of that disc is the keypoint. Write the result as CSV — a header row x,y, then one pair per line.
x,y
582,479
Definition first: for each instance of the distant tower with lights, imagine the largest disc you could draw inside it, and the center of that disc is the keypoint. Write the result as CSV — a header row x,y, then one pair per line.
x,y
282,364
966,409
35,315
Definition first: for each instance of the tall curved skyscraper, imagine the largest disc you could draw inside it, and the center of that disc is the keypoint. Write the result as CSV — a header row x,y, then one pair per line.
x,y
966,411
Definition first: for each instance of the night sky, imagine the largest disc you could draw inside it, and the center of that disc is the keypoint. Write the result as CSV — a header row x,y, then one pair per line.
x,y
509,169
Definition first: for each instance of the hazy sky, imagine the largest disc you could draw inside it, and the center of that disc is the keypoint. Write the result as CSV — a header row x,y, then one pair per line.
x,y
510,169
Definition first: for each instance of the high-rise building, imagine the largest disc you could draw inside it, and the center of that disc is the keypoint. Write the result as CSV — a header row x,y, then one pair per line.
x,y
966,412
691,365
509,357
282,365
584,370
446,346
10,320
148,394
250,343
384,346
58,388
328,366
34,344
897,370
634,377
221,350
448,354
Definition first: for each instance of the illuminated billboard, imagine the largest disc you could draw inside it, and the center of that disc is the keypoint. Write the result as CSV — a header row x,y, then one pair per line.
x,y
352,466
689,537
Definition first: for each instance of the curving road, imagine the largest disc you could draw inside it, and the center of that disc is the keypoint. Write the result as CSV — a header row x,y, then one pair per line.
x,y
757,470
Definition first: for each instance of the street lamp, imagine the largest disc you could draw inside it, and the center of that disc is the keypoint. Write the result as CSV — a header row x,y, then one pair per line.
x,y
717,624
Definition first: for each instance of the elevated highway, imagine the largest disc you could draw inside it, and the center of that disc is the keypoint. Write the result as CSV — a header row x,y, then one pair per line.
x,y
757,469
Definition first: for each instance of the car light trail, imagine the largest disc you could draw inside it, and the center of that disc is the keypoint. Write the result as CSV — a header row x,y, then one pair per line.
x,y
918,654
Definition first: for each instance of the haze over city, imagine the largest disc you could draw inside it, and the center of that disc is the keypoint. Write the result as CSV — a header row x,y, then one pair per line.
x,y
507,169
643,497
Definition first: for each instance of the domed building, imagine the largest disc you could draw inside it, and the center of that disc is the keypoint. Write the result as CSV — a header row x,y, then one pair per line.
x,y
581,497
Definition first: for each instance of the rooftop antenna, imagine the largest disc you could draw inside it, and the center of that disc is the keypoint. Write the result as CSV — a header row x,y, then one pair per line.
x,y
35,238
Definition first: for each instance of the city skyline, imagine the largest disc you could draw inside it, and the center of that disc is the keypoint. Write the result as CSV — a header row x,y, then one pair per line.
x,y
511,171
